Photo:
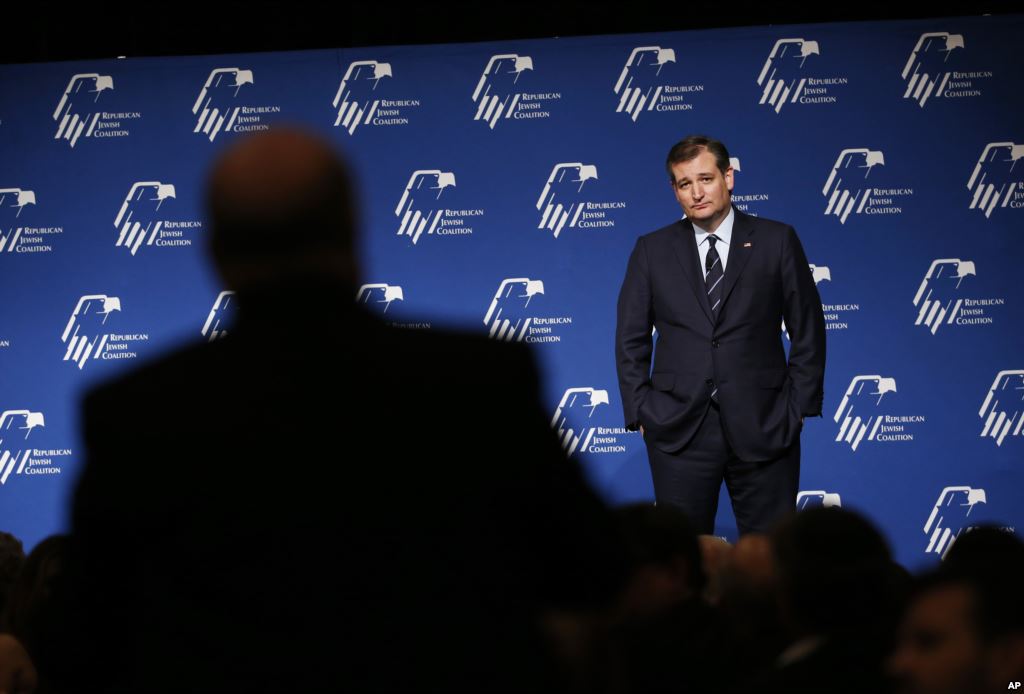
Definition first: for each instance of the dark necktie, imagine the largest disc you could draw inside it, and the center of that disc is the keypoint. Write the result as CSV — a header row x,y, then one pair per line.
x,y
713,275
713,283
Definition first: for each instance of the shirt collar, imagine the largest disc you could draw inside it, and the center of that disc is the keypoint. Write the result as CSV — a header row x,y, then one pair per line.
x,y
723,232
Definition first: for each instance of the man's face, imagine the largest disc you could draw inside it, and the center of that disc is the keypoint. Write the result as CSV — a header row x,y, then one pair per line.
x,y
938,651
702,190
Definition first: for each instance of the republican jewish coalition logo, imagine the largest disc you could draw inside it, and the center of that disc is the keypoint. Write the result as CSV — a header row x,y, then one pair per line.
x,y
420,208
560,201
85,334
77,112
137,221
846,187
507,318
859,409
996,181
221,317
938,297
926,70
11,202
818,497
950,516
497,93
215,108
573,416
1002,407
355,100
782,78
639,86
15,428
379,297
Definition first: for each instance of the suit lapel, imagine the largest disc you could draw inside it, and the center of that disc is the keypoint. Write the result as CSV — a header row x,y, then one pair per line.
x,y
739,253
685,246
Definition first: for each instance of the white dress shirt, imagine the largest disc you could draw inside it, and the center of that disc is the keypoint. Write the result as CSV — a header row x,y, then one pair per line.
x,y
724,234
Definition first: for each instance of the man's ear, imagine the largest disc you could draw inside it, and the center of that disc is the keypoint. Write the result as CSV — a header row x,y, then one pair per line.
x,y
729,178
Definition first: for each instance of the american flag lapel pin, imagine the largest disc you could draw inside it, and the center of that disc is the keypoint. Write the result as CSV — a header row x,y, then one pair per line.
x,y
747,244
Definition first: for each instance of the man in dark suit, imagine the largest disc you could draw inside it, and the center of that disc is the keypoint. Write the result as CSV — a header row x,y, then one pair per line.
x,y
721,401
319,500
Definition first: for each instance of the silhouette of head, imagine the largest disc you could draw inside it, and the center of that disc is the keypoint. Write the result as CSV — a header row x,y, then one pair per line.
x,y
665,558
835,573
282,213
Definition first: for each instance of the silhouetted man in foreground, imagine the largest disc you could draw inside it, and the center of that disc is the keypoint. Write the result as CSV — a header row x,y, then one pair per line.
x,y
319,499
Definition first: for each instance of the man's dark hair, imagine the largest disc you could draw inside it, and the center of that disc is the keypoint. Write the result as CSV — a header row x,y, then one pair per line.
x,y
986,547
690,147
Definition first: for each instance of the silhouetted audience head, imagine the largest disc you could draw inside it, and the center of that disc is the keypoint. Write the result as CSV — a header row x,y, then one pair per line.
x,y
754,560
747,599
281,208
986,548
663,636
746,583
665,559
12,557
963,631
835,574
714,554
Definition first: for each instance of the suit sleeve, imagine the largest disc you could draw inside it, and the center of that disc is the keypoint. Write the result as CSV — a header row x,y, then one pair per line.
x,y
633,342
805,321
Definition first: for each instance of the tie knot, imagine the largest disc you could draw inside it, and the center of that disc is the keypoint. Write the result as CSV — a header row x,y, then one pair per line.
x,y
711,239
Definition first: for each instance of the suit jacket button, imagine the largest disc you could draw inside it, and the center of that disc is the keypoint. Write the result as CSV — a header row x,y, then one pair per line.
x,y
714,343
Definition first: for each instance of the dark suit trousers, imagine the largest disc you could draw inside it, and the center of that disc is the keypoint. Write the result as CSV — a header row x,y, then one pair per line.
x,y
690,479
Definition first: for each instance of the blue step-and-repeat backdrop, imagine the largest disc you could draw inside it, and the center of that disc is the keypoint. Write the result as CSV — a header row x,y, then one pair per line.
x,y
502,188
